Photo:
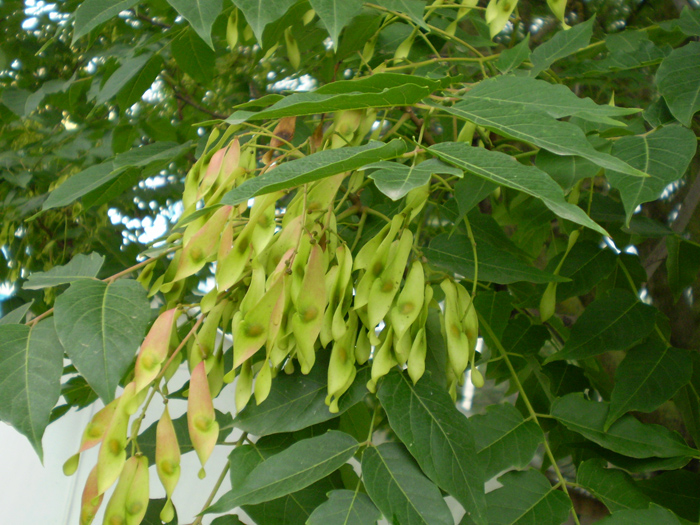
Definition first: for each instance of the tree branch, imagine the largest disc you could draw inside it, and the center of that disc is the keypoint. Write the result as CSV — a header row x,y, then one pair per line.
x,y
690,203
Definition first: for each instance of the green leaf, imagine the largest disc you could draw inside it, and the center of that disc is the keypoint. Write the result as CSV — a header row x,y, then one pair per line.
x,y
494,308
654,515
438,436
92,13
527,497
229,519
504,439
345,507
295,468
314,167
395,180
194,56
677,491
147,438
140,83
121,77
627,436
80,267
292,509
378,91
16,315
79,184
503,170
413,8
678,80
688,22
455,254
566,171
664,154
586,265
615,321
101,325
562,44
335,15
259,13
523,94
471,190
647,377
615,488
512,58
31,364
297,401
201,15
682,264
534,127
400,490
145,155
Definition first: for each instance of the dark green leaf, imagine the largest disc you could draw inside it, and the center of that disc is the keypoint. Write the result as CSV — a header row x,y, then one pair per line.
x,y
80,267
345,507
297,401
527,94
259,13
142,81
16,315
335,15
678,80
615,488
495,309
80,184
566,171
586,265
194,56
297,467
688,400
664,154
413,8
438,436
200,14
400,490
228,519
688,22
615,321
31,363
626,436
145,155
395,180
654,515
562,44
513,57
677,491
648,376
78,393
314,167
527,497
504,439
455,254
471,190
503,170
92,13
121,77
101,325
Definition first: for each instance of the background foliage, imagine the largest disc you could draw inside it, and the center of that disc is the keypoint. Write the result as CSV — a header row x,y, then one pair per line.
x,y
542,154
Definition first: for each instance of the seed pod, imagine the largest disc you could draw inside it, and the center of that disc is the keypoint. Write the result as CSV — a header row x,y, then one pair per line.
x,y
292,48
363,348
384,288
263,382
232,30
416,357
368,49
457,341
244,385
111,457
558,8
383,361
548,302
92,435
167,454
201,419
307,321
154,349
205,339
202,247
146,274
91,499
341,367
497,14
476,378
252,332
404,48
410,301
137,497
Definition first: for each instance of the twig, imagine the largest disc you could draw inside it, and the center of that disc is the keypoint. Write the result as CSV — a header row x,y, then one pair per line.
x,y
419,122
